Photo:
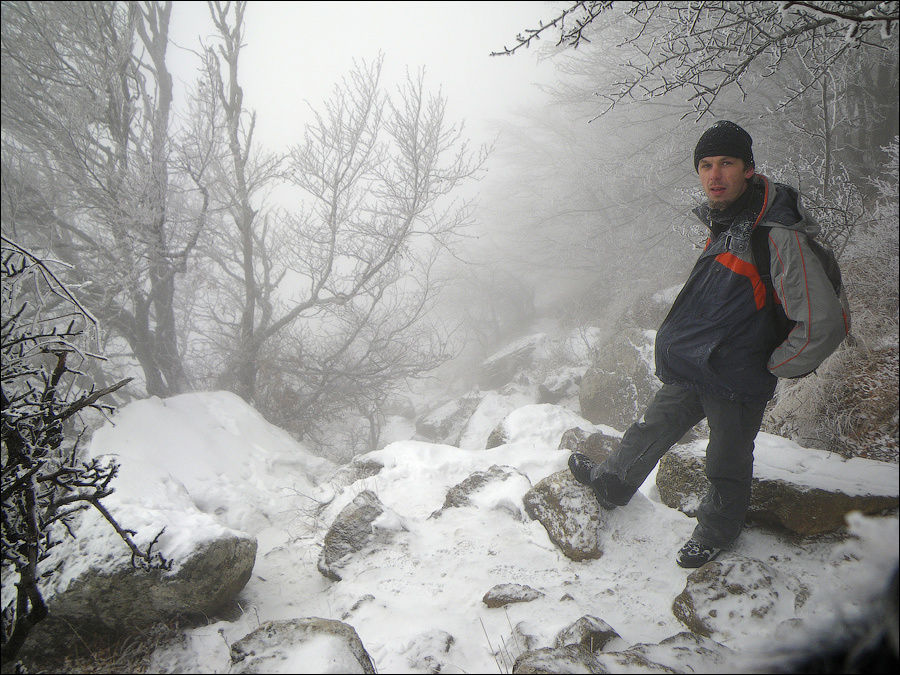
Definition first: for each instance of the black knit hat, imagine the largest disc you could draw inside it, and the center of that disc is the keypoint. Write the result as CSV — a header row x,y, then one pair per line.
x,y
724,138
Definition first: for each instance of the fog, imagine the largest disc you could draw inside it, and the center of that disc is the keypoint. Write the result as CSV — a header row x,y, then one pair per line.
x,y
544,201
314,233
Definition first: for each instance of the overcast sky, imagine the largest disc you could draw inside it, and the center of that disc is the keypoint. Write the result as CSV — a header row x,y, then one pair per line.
x,y
296,51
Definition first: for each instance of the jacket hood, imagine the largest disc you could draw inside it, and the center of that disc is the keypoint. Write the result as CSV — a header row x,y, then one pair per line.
x,y
768,203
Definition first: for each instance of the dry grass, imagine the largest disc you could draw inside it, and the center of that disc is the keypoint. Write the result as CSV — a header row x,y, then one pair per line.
x,y
850,406
131,654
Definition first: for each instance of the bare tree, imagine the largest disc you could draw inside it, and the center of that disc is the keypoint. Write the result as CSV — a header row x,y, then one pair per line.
x,y
42,388
86,108
702,49
324,308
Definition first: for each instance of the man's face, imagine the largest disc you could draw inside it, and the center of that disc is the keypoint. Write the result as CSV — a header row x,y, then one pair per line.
x,y
724,179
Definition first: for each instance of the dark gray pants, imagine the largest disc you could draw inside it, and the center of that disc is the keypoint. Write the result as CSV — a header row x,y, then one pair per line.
x,y
733,426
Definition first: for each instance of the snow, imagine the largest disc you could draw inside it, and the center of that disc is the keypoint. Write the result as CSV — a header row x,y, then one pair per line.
x,y
781,459
203,462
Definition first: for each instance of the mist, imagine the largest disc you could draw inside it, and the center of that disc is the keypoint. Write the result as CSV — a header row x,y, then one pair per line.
x,y
341,200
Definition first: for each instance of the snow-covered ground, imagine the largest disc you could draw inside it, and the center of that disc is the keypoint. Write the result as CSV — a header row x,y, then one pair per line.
x,y
202,461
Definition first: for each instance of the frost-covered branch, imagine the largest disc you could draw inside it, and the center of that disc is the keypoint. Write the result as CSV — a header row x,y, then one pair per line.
x,y
700,49
45,484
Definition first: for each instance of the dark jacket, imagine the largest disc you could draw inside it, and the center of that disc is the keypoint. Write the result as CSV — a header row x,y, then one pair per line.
x,y
719,336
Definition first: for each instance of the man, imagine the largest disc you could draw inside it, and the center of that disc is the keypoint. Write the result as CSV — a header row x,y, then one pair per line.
x,y
722,347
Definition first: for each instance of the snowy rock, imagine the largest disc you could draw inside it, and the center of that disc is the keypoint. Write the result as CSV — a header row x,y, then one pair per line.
x,y
354,528
506,594
803,490
736,591
490,413
570,514
681,653
497,437
620,383
126,601
462,493
502,366
598,446
568,659
428,651
560,385
309,645
539,423
446,423
592,633
358,468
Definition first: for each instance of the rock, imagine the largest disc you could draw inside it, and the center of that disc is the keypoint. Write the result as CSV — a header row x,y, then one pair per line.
x,y
352,530
461,494
568,659
524,637
502,366
598,446
592,633
736,590
497,437
620,383
539,423
680,653
506,594
629,661
129,601
358,468
490,413
446,423
309,645
560,385
570,514
783,497
427,652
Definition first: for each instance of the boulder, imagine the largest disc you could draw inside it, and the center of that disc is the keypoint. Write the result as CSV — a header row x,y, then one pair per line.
x,y
567,659
427,652
462,493
684,652
506,594
620,383
559,385
592,633
737,591
597,445
358,468
127,600
308,645
447,422
353,529
502,366
570,514
787,482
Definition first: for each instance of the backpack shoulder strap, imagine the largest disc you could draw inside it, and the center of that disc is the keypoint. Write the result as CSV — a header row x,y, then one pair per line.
x,y
759,243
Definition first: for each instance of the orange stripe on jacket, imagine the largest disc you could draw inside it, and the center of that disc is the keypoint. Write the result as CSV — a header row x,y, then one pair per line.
x,y
748,270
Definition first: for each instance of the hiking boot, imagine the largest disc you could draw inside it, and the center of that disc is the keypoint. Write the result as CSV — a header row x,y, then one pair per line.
x,y
580,465
694,554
